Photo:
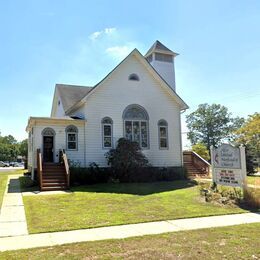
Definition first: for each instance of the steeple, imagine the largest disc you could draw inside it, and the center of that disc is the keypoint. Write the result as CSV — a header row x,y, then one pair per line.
x,y
162,59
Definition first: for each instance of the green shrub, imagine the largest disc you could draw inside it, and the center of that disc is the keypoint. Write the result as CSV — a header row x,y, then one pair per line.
x,y
126,159
95,174
90,175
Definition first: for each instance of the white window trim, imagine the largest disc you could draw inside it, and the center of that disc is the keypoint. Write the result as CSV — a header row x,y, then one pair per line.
x,y
67,138
67,141
103,136
160,137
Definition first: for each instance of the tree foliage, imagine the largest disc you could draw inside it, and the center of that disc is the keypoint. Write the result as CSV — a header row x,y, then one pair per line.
x,y
10,148
249,136
126,158
201,149
23,148
211,124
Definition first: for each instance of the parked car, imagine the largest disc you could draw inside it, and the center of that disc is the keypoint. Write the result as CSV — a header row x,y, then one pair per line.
x,y
3,164
12,164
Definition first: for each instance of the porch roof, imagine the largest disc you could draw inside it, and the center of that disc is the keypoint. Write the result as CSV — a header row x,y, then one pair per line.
x,y
53,120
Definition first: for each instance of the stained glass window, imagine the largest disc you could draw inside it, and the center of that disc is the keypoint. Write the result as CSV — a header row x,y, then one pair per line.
x,y
136,125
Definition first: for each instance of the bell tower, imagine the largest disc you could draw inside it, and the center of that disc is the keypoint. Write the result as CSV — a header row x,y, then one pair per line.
x,y
162,60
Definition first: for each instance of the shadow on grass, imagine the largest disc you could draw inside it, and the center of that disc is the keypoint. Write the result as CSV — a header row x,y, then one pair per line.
x,y
135,188
27,184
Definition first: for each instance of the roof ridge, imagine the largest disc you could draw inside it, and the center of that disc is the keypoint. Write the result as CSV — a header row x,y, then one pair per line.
x,y
71,85
158,46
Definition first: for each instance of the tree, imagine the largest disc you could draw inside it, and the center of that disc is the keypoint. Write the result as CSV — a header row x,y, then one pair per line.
x,y
9,139
23,148
249,136
211,124
126,158
201,149
9,148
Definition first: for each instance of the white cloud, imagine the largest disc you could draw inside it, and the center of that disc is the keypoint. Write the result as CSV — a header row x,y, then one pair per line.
x,y
108,31
93,36
119,52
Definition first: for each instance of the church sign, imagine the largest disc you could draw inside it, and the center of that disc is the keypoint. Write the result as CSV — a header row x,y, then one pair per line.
x,y
228,165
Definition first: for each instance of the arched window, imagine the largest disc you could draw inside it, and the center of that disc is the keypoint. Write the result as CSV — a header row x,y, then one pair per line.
x,y
163,134
48,132
72,137
133,76
107,132
136,121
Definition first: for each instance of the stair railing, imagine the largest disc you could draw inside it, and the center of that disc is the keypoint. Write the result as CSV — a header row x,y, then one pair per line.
x,y
39,167
197,161
200,163
66,166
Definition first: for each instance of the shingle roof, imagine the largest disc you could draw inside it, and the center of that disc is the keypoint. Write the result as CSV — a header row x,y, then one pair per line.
x,y
71,94
158,46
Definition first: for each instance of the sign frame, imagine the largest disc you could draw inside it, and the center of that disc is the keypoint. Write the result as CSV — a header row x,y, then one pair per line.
x,y
228,165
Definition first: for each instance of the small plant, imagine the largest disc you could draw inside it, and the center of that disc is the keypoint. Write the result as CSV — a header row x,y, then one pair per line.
x,y
220,194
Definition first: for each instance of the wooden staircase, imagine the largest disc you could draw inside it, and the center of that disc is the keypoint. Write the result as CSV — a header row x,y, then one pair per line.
x,y
196,166
53,177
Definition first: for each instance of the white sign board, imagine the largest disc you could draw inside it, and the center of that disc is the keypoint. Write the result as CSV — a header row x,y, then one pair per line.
x,y
228,165
227,156
231,177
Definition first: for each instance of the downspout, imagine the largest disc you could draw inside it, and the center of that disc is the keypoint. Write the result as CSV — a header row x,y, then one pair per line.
x,y
181,112
85,143
32,155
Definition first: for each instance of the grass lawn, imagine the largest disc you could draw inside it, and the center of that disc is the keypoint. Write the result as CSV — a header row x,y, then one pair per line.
x,y
236,242
255,180
115,204
3,182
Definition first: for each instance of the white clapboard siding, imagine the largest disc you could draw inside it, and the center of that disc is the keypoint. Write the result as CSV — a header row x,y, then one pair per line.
x,y
114,95
77,156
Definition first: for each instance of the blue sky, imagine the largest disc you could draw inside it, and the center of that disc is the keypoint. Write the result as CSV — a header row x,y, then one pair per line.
x,y
78,42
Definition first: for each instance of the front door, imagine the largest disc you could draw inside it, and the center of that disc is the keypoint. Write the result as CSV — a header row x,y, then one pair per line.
x,y
48,148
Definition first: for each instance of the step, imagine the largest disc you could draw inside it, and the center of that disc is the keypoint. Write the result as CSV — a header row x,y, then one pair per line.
x,y
53,180
55,184
53,173
54,188
53,169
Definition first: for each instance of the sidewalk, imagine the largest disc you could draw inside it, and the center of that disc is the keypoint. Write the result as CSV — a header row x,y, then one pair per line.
x,y
12,215
124,231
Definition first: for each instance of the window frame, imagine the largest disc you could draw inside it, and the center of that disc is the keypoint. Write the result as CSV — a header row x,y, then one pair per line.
x,y
162,123
140,131
133,77
103,124
75,132
133,119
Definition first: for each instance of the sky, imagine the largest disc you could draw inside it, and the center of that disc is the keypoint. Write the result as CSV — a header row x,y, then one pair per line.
x,y
45,42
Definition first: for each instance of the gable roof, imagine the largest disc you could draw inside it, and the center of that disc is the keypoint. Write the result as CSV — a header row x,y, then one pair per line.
x,y
71,94
135,52
159,47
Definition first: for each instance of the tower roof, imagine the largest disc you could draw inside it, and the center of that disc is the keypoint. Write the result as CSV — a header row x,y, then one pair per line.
x,y
160,48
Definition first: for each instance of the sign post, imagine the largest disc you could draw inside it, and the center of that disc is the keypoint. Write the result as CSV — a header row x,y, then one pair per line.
x,y
228,165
